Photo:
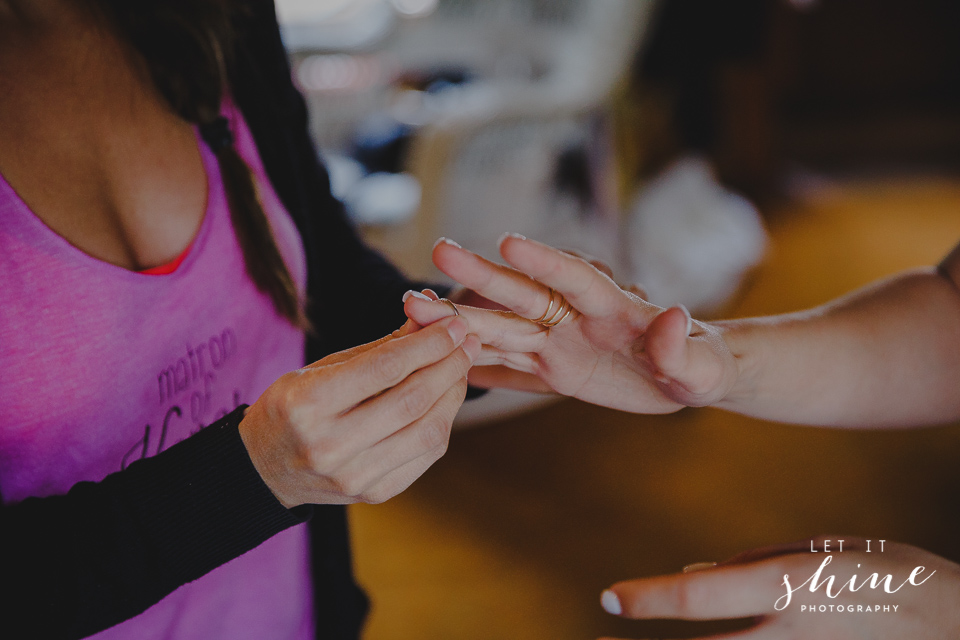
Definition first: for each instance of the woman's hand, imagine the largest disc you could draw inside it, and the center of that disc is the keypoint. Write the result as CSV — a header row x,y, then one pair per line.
x,y
362,424
614,350
753,585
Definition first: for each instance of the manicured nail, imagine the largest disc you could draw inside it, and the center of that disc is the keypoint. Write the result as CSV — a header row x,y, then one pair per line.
x,y
686,312
457,330
699,566
610,602
417,295
446,241
509,234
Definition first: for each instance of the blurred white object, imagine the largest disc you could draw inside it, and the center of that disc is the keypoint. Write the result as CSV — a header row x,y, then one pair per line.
x,y
383,199
344,171
488,158
690,239
334,25
416,8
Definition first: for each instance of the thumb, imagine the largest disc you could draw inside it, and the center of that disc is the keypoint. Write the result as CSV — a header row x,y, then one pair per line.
x,y
666,342
690,362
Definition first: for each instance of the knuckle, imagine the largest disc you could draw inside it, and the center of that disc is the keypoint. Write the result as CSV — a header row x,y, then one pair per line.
x,y
684,596
388,367
434,433
348,485
322,456
414,402
376,495
437,344
290,396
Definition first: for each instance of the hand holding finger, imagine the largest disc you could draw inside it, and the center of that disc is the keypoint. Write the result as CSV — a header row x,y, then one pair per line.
x,y
379,418
392,361
502,329
299,433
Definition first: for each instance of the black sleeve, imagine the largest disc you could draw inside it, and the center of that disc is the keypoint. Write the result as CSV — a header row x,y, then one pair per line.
x,y
342,270
79,563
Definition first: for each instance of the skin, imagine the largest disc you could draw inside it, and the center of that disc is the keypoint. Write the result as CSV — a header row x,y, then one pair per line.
x,y
750,584
88,143
362,424
94,151
887,355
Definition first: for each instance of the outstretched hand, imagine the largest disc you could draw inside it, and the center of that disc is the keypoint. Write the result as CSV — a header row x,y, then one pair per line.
x,y
614,349
925,589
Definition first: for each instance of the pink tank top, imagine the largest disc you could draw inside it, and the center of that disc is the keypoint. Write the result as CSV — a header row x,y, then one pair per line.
x,y
101,366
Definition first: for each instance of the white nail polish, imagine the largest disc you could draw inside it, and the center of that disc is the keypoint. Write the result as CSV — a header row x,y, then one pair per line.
x,y
406,296
446,241
686,312
509,234
699,566
417,295
610,603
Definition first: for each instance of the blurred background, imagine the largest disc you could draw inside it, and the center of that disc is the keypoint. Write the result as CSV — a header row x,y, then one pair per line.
x,y
742,157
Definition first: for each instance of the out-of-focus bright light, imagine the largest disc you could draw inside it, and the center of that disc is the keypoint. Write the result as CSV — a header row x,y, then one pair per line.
x,y
338,72
415,7
310,10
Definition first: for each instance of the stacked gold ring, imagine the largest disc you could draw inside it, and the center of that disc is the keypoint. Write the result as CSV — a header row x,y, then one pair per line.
x,y
551,318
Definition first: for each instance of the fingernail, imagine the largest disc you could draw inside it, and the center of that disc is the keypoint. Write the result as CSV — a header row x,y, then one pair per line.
x,y
472,347
509,234
610,602
686,312
446,241
457,330
699,566
415,294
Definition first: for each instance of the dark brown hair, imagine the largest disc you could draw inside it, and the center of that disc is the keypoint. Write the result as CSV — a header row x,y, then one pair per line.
x,y
186,47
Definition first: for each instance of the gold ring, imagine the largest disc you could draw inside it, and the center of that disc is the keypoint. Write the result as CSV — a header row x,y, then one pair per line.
x,y
450,304
549,308
556,323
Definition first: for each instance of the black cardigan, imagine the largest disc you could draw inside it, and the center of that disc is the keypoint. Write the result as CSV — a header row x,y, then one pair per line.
x,y
104,552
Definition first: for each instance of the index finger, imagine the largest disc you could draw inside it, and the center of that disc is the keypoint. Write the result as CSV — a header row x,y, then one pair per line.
x,y
733,591
389,363
504,285
592,292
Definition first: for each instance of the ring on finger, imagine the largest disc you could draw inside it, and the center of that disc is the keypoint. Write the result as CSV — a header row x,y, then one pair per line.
x,y
449,303
549,308
555,322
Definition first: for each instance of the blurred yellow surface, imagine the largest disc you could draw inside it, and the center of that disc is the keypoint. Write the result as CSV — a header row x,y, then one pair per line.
x,y
518,529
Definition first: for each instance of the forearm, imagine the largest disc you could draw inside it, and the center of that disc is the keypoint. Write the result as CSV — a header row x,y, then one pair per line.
x,y
106,551
885,356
